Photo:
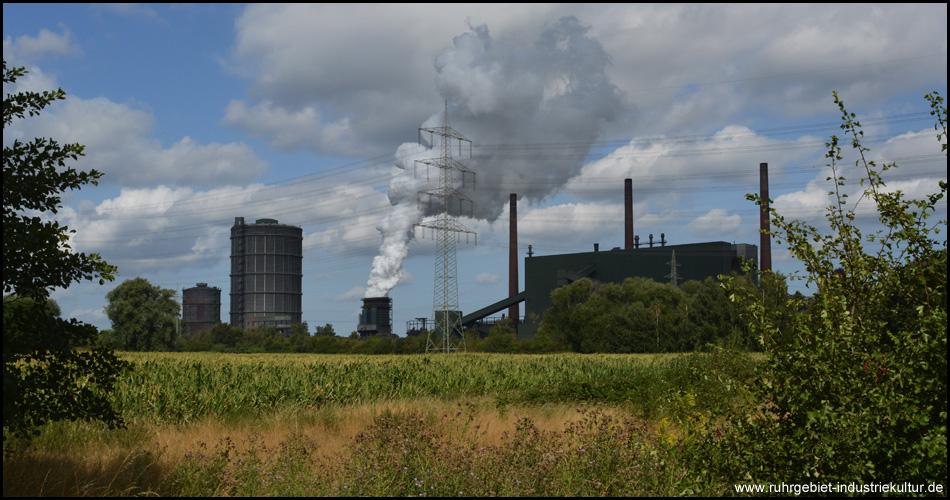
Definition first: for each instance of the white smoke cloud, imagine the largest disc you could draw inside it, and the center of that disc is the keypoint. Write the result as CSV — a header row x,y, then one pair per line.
x,y
510,96
396,228
503,93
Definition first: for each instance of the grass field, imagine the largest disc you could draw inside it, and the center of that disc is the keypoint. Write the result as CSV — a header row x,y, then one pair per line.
x,y
461,424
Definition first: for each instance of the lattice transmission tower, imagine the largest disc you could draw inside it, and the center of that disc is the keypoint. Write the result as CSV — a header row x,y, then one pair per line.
x,y
674,275
446,332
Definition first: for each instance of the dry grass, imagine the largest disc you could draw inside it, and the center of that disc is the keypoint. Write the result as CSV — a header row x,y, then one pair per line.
x,y
332,429
84,460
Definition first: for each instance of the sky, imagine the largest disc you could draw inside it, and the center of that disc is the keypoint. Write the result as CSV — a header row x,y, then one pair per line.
x,y
310,114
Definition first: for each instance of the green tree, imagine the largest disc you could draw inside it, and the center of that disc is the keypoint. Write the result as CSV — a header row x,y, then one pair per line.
x,y
565,322
144,316
325,331
638,315
501,337
299,340
226,335
300,329
44,377
272,340
51,306
855,387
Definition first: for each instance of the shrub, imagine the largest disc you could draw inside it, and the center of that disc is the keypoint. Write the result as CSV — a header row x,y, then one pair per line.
x,y
855,387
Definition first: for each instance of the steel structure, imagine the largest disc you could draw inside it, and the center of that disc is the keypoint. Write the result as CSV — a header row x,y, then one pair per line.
x,y
446,332
673,276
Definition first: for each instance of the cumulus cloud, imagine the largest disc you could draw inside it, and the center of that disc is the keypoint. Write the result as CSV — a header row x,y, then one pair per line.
x,y
377,81
178,228
119,143
920,166
668,172
710,64
684,68
570,224
715,223
27,49
289,130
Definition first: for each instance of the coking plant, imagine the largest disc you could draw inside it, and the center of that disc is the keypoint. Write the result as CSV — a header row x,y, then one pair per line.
x,y
857,390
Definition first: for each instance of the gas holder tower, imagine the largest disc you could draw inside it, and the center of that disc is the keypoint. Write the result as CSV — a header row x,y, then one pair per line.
x,y
447,232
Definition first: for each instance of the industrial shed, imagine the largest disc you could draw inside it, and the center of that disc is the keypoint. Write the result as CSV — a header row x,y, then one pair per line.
x,y
696,261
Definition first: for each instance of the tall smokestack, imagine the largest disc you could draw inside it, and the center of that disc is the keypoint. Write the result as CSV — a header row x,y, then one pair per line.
x,y
765,241
628,214
513,310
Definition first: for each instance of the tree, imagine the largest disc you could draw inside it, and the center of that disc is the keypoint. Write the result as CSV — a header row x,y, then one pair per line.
x,y
326,330
300,329
855,389
299,339
226,335
51,306
44,377
638,315
501,337
143,315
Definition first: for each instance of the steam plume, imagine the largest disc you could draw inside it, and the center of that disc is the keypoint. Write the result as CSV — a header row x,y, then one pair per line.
x,y
506,97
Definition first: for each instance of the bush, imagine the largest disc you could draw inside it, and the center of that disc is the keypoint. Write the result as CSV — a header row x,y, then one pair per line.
x,y
855,387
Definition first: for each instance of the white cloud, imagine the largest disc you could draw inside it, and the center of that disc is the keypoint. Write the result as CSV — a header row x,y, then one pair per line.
x,y
668,173
571,226
921,166
288,130
715,223
487,279
672,60
119,143
27,49
180,228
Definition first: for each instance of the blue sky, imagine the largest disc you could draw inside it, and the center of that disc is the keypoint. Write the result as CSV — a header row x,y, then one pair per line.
x,y
200,113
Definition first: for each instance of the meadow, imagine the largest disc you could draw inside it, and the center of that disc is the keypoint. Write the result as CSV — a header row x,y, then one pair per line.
x,y
436,425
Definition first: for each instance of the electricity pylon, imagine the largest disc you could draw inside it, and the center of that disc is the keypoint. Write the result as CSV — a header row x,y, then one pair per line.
x,y
445,297
673,276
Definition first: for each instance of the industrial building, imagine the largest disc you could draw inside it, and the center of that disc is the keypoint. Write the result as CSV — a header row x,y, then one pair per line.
x,y
653,259
201,308
696,261
266,274
376,317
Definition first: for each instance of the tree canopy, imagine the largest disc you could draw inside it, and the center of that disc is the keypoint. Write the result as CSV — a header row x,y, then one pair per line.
x,y
144,316
44,377
641,315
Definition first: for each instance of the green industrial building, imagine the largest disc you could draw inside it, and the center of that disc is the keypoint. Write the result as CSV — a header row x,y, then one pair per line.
x,y
544,274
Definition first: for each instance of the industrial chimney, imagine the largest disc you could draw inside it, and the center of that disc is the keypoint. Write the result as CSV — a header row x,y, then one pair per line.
x,y
765,241
628,214
513,310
